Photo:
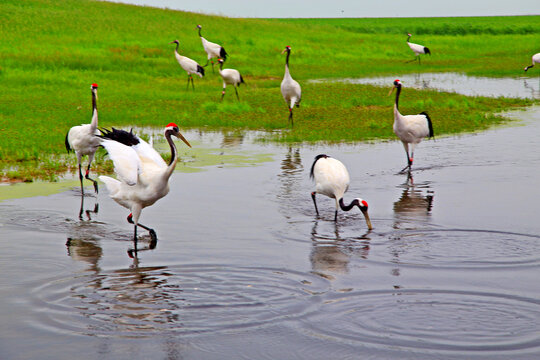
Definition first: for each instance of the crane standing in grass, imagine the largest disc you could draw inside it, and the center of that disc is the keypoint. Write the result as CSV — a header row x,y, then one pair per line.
x,y
142,172
189,65
82,140
417,49
410,129
290,89
535,60
230,77
332,179
213,50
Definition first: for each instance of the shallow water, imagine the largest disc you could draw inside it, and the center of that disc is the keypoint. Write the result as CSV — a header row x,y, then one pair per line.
x,y
244,269
518,87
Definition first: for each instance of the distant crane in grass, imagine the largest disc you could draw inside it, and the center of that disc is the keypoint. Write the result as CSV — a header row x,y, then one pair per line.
x,y
143,175
290,89
332,180
410,129
535,60
189,65
213,50
230,77
83,141
417,49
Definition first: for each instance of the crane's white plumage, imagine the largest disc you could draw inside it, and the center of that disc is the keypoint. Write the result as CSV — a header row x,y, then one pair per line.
x,y
290,89
189,65
83,140
230,77
417,49
410,129
143,175
535,60
212,50
332,180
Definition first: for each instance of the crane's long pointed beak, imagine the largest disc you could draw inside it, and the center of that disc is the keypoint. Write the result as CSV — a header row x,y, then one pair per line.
x,y
181,137
391,91
368,220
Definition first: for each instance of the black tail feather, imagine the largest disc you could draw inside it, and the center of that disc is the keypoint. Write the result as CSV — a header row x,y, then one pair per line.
x,y
241,79
426,51
430,124
314,162
68,147
222,53
200,69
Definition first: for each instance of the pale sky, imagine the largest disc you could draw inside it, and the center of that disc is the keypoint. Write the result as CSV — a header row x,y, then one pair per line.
x,y
348,8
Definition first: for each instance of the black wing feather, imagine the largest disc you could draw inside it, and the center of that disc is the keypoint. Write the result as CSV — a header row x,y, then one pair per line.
x,y
68,147
121,136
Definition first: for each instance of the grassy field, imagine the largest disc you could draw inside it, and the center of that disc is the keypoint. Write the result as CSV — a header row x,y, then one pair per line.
x,y
52,51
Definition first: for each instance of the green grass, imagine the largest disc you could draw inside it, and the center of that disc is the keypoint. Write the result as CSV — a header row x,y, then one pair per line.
x,y
52,51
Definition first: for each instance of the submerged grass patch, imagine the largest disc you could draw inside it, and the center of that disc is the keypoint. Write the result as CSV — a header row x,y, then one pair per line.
x,y
50,53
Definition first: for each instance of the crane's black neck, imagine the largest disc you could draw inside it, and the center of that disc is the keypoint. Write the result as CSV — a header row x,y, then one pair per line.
x,y
397,95
287,60
177,45
174,154
221,66
200,32
409,38
94,101
350,206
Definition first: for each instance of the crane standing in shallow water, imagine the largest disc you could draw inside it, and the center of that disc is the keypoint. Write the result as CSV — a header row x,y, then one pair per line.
x,y
189,65
290,89
213,50
142,172
82,140
410,129
332,179
417,49
231,77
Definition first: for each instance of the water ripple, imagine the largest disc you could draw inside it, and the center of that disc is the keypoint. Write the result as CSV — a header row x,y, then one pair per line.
x,y
441,320
139,302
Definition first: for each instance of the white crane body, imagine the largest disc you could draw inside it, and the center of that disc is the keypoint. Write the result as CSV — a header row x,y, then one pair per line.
x,y
83,141
535,60
410,129
290,88
143,175
332,179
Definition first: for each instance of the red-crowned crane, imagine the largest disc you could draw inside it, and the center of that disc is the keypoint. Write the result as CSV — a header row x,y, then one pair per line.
x,y
189,65
535,60
213,50
417,49
290,89
83,140
143,176
332,179
410,129
230,77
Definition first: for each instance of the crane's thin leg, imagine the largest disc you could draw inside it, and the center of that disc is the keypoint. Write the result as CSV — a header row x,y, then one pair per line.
x,y
212,65
223,93
192,83
335,216
315,202
291,117
238,97
91,157
419,61
205,65
81,179
153,235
